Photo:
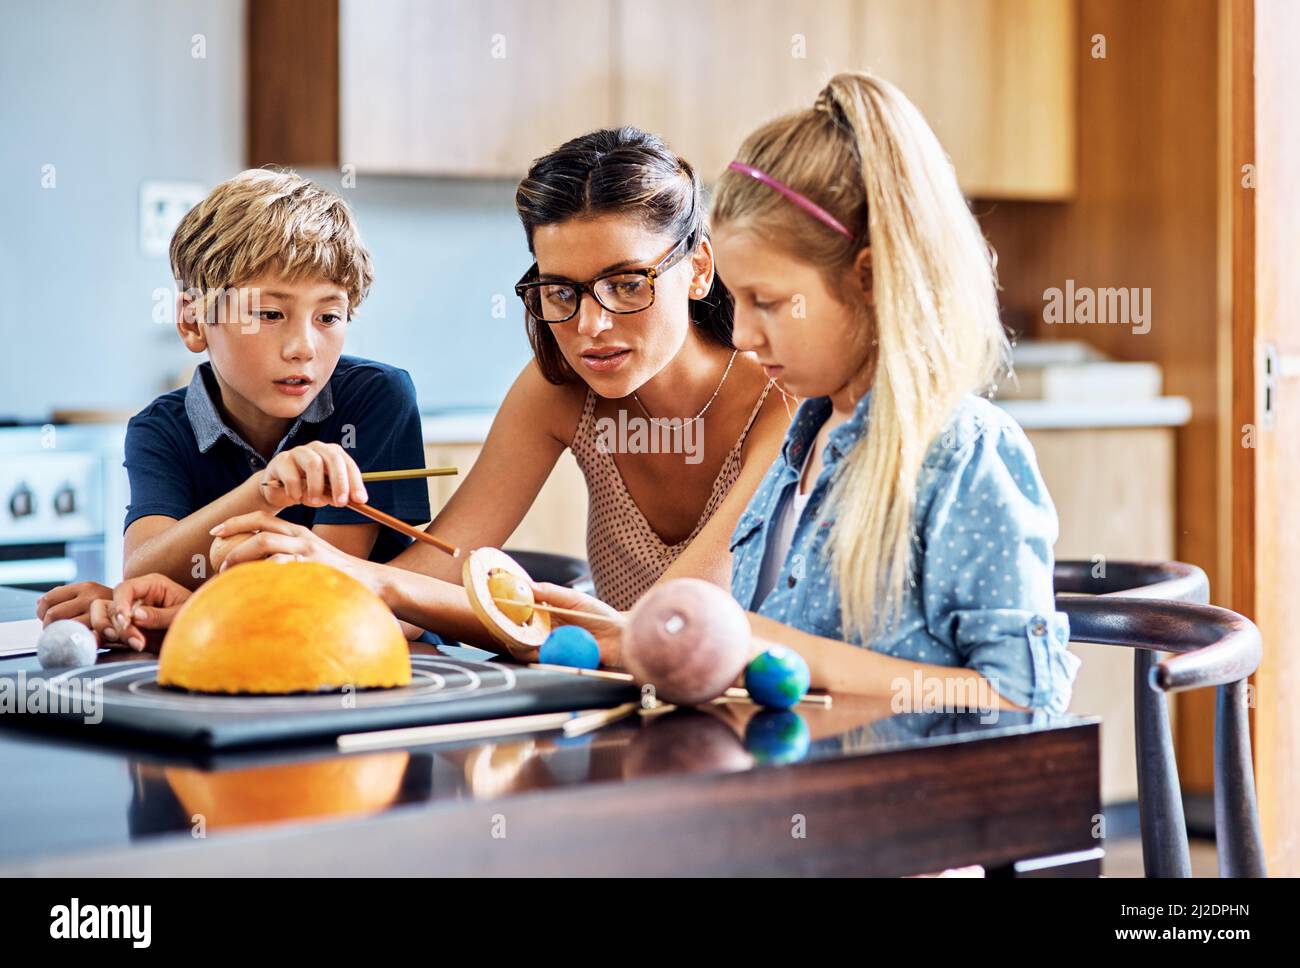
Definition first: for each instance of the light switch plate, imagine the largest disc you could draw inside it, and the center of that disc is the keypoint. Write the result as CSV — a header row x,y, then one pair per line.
x,y
162,206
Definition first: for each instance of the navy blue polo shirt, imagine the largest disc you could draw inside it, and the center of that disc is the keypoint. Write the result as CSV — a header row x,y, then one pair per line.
x,y
181,455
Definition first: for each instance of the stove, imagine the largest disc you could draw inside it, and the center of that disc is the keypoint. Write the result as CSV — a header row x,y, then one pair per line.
x,y
63,495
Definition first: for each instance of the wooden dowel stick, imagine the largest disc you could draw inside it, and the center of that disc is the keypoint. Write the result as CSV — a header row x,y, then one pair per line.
x,y
590,721
448,732
813,698
398,475
387,519
574,671
556,610
406,475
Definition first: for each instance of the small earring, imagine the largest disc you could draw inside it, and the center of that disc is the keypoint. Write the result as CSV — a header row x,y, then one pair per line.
x,y
699,291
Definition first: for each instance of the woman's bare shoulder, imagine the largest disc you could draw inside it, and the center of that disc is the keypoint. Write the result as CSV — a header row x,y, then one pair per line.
x,y
549,407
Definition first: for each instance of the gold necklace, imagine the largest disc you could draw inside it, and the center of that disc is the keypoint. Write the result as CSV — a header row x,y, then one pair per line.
x,y
686,420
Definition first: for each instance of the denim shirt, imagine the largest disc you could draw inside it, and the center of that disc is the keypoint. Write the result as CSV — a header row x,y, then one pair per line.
x,y
981,593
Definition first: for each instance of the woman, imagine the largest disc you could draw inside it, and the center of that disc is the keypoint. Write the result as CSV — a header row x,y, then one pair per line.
x,y
631,328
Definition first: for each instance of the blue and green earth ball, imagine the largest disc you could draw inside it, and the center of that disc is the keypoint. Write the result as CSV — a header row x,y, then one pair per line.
x,y
775,736
777,678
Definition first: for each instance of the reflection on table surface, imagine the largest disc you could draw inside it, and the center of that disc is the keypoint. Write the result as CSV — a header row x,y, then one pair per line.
x,y
238,791
65,794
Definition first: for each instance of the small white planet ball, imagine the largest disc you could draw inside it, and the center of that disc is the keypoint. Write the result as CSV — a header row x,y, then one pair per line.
x,y
66,644
689,639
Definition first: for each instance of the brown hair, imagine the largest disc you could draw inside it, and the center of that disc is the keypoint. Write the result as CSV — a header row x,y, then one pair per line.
x,y
267,218
618,170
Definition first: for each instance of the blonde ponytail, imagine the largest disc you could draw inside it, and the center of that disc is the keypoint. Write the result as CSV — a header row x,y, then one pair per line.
x,y
865,153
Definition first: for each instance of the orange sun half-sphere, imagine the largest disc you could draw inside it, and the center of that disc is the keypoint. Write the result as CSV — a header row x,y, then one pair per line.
x,y
342,786
282,627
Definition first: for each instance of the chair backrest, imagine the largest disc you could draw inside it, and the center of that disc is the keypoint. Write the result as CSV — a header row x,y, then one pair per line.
x,y
555,568
1155,607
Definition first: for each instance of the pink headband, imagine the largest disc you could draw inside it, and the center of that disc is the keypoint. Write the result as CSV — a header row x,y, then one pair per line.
x,y
805,203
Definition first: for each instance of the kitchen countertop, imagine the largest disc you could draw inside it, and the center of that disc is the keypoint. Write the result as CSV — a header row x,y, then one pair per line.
x,y
467,427
17,604
1069,415
471,426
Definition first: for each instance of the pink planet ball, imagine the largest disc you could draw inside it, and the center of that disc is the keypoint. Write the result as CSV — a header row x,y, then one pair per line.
x,y
687,638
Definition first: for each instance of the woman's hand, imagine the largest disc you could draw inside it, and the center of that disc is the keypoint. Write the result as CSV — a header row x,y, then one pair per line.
x,y
315,474
71,601
606,622
139,612
282,540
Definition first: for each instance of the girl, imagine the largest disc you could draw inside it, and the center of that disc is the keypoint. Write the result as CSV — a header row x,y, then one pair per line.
x,y
902,541
629,324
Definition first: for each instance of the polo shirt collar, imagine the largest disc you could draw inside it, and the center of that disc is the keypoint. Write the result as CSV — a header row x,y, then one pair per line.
x,y
843,437
209,427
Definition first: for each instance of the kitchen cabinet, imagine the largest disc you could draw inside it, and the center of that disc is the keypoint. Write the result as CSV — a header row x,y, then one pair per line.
x,y
479,88
468,87
703,75
1109,511
995,78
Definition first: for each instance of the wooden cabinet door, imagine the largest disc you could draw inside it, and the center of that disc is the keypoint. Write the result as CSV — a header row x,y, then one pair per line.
x,y
995,79
468,87
1107,512
1265,74
705,74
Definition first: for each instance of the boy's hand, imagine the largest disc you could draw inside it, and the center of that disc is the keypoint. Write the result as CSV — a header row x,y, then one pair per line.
x,y
282,540
606,621
139,612
71,601
314,474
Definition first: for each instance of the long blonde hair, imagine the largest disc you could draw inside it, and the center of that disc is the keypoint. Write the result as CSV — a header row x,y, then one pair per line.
x,y
865,154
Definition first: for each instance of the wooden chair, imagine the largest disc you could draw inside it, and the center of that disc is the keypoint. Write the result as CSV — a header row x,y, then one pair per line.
x,y
1156,607
557,569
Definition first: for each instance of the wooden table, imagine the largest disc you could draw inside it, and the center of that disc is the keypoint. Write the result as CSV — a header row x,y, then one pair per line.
x,y
672,794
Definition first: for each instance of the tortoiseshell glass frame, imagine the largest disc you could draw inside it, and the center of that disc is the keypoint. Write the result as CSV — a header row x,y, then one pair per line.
x,y
529,280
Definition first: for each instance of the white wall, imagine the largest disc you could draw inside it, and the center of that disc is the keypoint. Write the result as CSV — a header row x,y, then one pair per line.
x,y
110,95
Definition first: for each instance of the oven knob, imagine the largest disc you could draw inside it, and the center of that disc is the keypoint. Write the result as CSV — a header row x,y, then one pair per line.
x,y
65,500
21,502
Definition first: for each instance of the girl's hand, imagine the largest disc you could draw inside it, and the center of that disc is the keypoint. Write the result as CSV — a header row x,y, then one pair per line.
x,y
71,601
281,540
606,622
139,613
314,474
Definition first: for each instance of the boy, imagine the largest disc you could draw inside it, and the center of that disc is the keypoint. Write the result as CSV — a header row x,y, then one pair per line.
x,y
271,270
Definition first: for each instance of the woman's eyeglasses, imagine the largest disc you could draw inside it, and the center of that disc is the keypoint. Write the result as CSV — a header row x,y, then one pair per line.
x,y
624,291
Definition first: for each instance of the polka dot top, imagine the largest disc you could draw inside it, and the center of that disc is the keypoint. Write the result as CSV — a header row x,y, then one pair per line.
x,y
981,593
625,554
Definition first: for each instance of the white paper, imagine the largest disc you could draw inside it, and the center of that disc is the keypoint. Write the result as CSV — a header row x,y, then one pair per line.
x,y
17,638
